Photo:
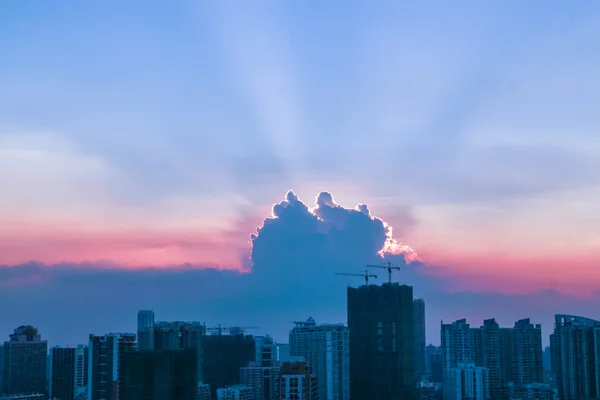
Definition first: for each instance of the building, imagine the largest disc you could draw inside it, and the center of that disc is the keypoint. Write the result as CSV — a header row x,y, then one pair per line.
x,y
235,392
382,348
420,341
61,373
456,344
527,356
145,329
25,362
326,348
263,380
81,370
575,346
297,382
159,374
203,392
167,337
436,366
282,352
537,391
510,355
1,368
104,358
466,381
222,358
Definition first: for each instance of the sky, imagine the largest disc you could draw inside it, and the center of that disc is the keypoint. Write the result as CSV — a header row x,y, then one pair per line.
x,y
143,143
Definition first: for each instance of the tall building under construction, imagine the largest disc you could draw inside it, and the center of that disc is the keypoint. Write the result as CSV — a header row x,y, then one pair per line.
x,y
382,343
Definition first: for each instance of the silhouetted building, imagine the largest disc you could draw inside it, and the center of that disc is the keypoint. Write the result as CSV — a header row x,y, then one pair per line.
x,y
222,358
466,381
203,392
263,380
436,365
419,324
81,370
1,368
235,392
537,391
25,362
382,345
575,348
145,330
547,360
456,344
527,356
159,374
266,351
61,373
167,337
297,382
105,356
326,348
510,355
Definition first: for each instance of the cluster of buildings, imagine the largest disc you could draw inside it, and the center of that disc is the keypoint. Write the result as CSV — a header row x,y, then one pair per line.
x,y
380,355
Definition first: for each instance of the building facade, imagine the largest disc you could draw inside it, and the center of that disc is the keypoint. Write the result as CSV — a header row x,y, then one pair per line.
x,y
382,348
159,374
25,362
466,382
61,373
222,358
203,392
81,370
104,359
575,346
235,392
263,380
420,340
510,355
145,329
297,382
326,348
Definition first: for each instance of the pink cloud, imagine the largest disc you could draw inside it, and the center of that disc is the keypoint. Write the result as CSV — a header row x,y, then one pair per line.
x,y
225,248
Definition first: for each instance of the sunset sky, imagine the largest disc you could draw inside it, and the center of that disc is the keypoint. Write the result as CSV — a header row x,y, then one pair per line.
x,y
142,142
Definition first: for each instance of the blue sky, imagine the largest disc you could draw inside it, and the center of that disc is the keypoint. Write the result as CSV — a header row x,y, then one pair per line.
x,y
470,127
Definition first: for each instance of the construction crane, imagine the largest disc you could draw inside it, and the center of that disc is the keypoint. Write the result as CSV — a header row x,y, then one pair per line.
x,y
365,275
389,268
231,329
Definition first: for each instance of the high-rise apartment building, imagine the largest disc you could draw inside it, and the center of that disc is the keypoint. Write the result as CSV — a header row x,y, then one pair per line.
x,y
510,355
297,382
263,380
575,347
419,324
527,355
222,358
61,373
25,362
326,349
382,345
145,329
466,382
104,359
456,344
159,374
81,370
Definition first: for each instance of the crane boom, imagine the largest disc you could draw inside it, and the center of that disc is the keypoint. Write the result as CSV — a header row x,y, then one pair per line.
x,y
389,268
366,275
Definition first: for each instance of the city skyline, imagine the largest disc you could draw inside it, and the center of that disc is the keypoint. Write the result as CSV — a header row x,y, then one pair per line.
x,y
144,146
